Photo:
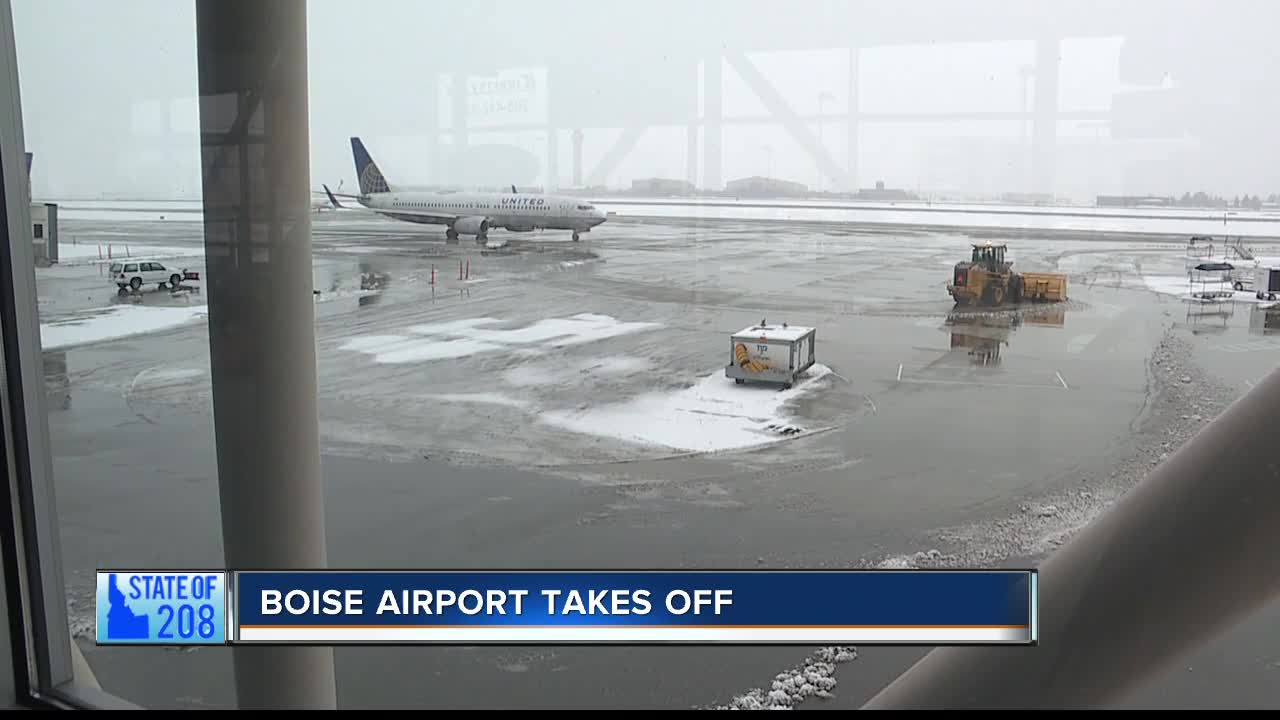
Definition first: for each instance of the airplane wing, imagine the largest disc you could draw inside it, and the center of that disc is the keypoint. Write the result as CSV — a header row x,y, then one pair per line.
x,y
418,216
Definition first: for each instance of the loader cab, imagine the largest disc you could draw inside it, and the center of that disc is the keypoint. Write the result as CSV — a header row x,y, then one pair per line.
x,y
986,257
989,257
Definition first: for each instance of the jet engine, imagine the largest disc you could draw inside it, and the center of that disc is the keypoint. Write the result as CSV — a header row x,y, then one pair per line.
x,y
471,226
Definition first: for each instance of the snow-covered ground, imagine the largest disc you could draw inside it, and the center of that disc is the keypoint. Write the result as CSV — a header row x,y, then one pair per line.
x,y
713,415
1171,221
462,338
116,322
1081,219
92,253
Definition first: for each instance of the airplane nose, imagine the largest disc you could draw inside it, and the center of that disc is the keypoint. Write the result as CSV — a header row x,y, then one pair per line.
x,y
599,215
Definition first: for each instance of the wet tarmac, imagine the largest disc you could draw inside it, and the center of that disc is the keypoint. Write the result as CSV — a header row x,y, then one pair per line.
x,y
499,410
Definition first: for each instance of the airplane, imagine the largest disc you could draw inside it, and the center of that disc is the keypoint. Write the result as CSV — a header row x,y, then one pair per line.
x,y
320,204
470,213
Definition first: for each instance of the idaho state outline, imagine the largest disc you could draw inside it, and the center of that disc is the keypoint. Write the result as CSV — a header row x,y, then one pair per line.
x,y
122,622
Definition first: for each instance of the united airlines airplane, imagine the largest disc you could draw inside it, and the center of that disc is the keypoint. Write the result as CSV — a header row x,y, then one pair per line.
x,y
468,213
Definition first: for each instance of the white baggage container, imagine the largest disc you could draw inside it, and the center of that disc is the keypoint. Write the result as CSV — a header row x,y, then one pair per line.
x,y
770,353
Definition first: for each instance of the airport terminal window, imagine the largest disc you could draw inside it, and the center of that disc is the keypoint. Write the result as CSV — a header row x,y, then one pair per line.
x,y
569,400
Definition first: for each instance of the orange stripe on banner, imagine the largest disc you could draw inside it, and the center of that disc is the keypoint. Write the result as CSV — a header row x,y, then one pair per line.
x,y
653,627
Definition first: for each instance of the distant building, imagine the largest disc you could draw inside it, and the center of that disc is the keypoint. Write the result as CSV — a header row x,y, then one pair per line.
x,y
880,192
1134,201
662,186
1023,198
757,186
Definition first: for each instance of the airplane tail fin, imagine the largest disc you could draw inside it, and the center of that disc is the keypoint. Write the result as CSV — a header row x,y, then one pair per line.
x,y
514,191
332,198
370,177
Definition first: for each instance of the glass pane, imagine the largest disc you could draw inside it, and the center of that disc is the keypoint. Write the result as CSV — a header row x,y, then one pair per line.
x,y
542,383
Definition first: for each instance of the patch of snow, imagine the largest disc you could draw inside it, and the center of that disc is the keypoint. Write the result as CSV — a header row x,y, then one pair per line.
x,y
482,398
816,676
460,338
116,322
713,415
395,349
530,376
618,365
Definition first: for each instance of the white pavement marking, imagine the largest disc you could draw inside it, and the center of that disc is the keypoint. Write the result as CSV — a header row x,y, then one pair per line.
x,y
872,403
1078,343
899,372
1064,382
979,383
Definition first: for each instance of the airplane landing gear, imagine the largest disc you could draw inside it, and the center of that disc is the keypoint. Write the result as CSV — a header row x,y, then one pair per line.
x,y
451,235
575,236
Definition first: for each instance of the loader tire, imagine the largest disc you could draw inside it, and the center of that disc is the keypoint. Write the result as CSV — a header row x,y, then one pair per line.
x,y
1015,288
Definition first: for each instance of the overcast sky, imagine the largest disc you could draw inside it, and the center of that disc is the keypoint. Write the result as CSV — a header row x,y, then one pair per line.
x,y
109,108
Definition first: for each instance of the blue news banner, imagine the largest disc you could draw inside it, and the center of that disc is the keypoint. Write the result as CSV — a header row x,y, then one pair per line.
x,y
893,607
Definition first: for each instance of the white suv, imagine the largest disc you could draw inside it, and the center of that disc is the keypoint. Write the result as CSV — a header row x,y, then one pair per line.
x,y
133,275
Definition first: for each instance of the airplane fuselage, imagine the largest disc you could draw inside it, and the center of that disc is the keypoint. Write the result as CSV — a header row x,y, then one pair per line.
x,y
515,212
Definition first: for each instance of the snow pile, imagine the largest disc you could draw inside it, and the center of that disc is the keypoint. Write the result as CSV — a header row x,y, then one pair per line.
x,y
461,338
816,676
480,398
116,322
713,415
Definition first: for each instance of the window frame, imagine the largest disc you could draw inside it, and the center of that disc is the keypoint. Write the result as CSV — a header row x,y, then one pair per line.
x,y
40,668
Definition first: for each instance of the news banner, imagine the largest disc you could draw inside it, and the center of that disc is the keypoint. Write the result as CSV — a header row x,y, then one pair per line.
x,y
759,607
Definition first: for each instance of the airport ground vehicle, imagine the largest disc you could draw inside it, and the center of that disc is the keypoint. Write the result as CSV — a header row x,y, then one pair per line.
x,y
134,274
988,279
770,353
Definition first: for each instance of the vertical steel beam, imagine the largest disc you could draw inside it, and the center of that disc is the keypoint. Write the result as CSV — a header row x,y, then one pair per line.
x,y
851,171
712,122
553,160
1044,140
691,155
255,154
457,165
577,158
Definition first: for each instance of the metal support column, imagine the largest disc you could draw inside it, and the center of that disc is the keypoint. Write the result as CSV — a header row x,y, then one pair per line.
x,y
458,158
713,115
431,128
691,155
1185,555
1044,131
577,158
553,160
256,178
851,177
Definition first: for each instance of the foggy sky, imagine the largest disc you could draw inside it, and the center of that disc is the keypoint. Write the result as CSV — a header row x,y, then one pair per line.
x,y
108,111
